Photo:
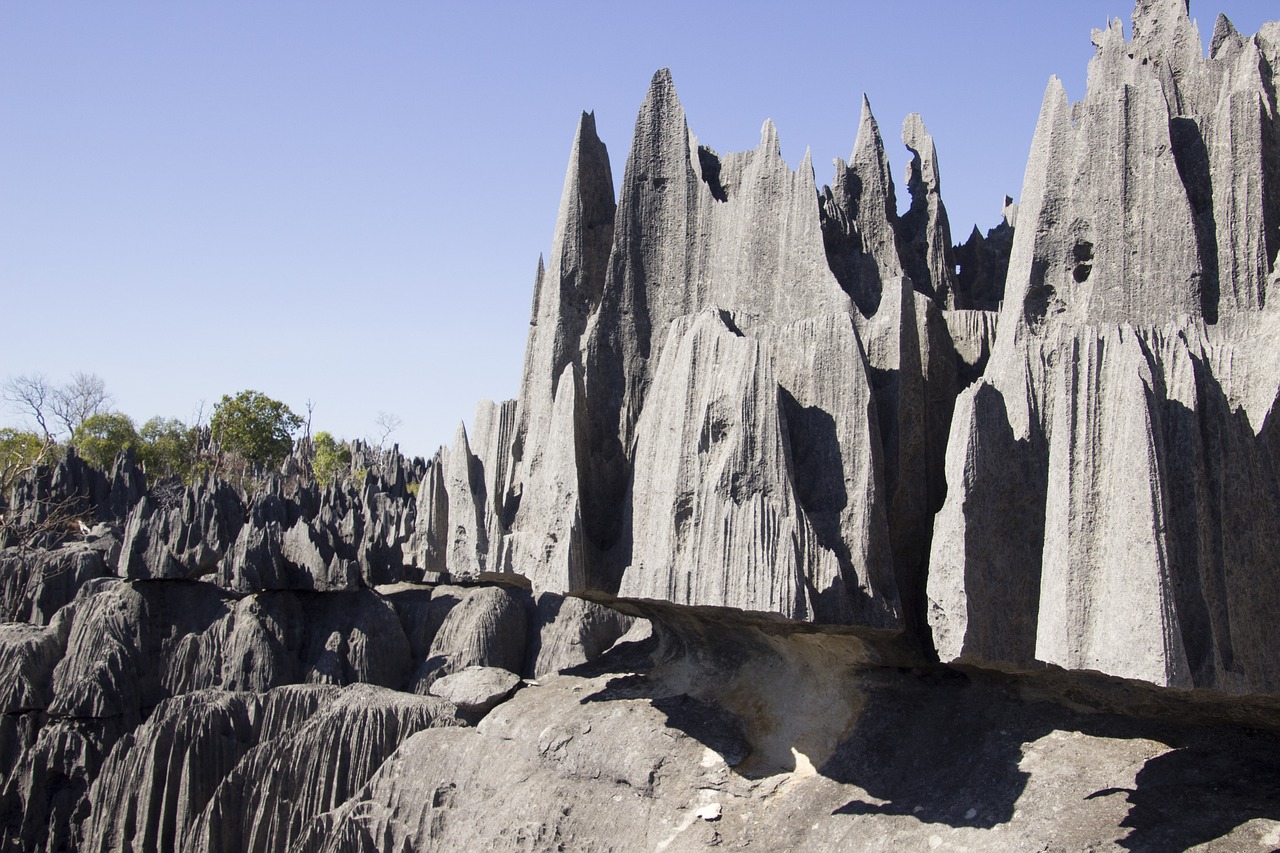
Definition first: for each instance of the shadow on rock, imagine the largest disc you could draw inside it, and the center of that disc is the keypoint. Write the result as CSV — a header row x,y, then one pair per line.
x,y
936,748
1201,791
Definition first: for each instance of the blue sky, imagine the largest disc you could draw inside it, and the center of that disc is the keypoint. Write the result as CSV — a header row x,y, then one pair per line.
x,y
345,203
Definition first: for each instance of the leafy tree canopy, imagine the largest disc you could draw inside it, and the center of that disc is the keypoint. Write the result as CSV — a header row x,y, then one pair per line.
x,y
332,458
19,451
100,437
254,427
169,447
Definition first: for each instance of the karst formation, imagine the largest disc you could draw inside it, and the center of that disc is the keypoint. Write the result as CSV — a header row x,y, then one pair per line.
x,y
811,528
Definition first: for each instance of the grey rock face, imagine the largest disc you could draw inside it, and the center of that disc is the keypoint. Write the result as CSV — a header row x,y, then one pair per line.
x,y
306,769
984,264
213,770
182,541
476,689
860,219
927,255
28,655
804,486
571,632
1129,387
160,776
36,583
483,626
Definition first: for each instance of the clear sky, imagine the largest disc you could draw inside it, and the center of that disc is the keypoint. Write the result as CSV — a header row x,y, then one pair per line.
x,y
345,202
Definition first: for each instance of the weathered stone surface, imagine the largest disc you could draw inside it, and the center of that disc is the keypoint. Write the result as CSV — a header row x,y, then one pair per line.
x,y
482,626
755,250
159,777
973,334
541,491
547,544
37,582
925,231
738,425
181,540
302,772
467,542
911,365
743,476
1110,507
426,549
28,655
495,427
429,794
984,263
792,743
299,557
860,219
476,689
353,637
571,631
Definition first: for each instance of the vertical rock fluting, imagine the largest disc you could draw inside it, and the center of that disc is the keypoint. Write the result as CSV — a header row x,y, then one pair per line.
x,y
927,254
1130,383
860,218
560,487
783,269
754,249
541,493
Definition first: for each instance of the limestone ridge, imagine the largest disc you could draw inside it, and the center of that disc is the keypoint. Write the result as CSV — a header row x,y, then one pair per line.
x,y
749,405
746,335
1132,383
720,385
858,215
926,234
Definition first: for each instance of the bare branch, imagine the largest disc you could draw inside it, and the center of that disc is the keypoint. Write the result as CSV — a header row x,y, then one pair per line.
x,y
387,423
80,399
30,395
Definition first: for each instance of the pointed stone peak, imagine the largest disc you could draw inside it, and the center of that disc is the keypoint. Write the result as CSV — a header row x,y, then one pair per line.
x,y
769,142
868,147
1224,35
460,441
1163,32
1010,212
586,132
1109,40
662,130
537,290
588,185
662,90
918,140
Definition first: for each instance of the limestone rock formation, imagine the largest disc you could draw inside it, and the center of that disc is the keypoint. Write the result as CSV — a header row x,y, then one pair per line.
x,y
482,626
293,775
476,689
807,529
184,540
1109,490
926,232
571,632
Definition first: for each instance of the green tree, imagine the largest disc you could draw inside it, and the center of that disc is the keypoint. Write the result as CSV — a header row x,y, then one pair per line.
x,y
20,452
254,427
100,437
169,448
332,458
